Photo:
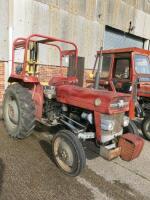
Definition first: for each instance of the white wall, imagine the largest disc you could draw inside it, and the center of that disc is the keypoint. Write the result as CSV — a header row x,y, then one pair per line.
x,y
4,20
56,18
75,20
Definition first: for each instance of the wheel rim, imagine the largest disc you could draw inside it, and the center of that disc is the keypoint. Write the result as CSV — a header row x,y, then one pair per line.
x,y
63,154
12,112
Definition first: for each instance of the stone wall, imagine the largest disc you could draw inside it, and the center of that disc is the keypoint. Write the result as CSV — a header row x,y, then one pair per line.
x,y
47,72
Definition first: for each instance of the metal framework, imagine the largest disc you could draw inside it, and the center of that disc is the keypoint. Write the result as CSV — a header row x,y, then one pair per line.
x,y
46,40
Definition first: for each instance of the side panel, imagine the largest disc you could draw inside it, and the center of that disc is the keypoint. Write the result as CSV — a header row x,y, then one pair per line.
x,y
37,95
85,98
97,121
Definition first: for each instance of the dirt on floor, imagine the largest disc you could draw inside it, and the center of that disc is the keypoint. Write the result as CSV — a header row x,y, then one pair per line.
x,y
27,172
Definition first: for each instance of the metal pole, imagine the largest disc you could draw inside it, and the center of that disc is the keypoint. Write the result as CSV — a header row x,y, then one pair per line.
x,y
99,69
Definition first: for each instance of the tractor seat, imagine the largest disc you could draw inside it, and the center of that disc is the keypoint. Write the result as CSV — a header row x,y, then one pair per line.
x,y
60,80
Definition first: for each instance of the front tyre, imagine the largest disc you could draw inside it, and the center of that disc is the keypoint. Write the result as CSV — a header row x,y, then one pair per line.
x,y
131,128
18,111
68,153
146,128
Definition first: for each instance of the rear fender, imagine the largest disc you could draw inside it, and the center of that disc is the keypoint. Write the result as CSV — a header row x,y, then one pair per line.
x,y
37,96
12,79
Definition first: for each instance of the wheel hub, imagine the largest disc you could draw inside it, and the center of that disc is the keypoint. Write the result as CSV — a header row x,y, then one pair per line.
x,y
64,154
13,111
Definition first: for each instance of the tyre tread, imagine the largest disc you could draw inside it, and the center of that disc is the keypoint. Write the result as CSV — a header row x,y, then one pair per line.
x,y
78,147
27,113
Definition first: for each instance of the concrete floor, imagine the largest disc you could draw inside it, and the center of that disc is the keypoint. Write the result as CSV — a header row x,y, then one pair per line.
x,y
27,172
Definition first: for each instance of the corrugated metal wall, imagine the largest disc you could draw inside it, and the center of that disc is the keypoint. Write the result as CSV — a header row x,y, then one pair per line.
x,y
70,20
82,21
4,30
118,39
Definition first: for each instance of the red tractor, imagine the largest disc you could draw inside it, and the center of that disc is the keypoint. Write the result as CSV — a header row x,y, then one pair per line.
x,y
83,113
127,71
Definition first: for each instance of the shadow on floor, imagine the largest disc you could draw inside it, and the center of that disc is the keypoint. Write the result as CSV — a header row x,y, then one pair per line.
x,y
91,151
2,167
47,148
90,148
52,129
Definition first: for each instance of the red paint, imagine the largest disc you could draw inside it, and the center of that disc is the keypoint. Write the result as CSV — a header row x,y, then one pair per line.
x,y
97,120
143,87
85,98
59,80
37,96
125,50
46,40
131,146
23,77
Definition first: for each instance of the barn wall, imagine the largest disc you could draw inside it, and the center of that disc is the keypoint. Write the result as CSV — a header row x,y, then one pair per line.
x,y
80,21
4,29
4,43
73,21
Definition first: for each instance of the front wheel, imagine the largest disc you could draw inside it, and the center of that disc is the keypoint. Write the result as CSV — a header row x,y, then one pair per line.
x,y
146,128
131,128
68,153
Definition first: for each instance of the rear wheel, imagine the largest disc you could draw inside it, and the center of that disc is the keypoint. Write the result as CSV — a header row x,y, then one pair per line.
x,y
18,111
1,113
131,128
146,128
68,153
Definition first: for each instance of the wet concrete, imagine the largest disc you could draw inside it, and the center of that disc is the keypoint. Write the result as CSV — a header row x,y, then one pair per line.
x,y
27,172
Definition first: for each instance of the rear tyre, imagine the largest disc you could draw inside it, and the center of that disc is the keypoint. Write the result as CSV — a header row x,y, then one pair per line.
x,y
1,113
131,128
18,111
68,153
39,127
146,128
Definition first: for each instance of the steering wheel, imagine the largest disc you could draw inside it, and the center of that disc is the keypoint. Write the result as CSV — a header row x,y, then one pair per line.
x,y
126,86
120,76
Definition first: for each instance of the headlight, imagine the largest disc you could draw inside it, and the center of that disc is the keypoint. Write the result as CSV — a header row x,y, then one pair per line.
x,y
125,121
119,104
107,125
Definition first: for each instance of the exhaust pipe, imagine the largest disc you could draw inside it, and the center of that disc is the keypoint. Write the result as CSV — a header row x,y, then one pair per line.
x,y
99,69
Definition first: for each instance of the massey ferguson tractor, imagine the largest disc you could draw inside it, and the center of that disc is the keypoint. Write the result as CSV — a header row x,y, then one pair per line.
x,y
83,113
127,71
